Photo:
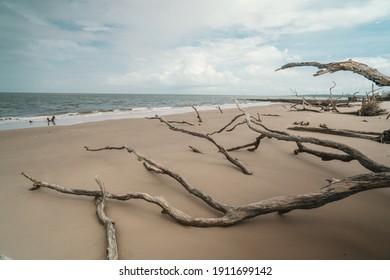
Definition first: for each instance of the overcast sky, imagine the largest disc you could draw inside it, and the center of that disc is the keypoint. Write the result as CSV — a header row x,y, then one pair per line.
x,y
188,46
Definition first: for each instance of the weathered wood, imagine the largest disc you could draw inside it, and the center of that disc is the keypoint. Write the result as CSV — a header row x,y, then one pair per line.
x,y
362,69
236,214
221,149
195,150
341,132
352,152
112,248
323,155
197,113
254,145
226,126
178,122
158,168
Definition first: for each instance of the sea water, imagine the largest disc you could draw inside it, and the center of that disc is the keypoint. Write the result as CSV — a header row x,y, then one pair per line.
x,y
23,110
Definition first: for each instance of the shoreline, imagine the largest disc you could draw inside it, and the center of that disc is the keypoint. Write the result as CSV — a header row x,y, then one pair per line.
x,y
136,113
48,225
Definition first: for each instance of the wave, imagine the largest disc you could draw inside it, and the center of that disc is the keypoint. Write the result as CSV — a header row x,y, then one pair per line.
x,y
70,118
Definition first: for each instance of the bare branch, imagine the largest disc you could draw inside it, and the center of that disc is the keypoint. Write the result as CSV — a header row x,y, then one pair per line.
x,y
336,190
255,145
178,122
221,149
156,167
341,132
355,154
371,74
323,155
195,150
226,126
197,113
112,248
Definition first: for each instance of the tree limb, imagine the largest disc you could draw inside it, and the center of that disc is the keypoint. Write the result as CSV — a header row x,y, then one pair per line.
x,y
112,248
197,113
221,149
355,154
235,214
341,132
364,70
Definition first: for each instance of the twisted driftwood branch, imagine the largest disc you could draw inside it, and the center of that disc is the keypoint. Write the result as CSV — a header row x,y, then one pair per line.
x,y
380,136
352,152
112,248
254,145
221,149
197,113
364,70
152,165
178,122
334,191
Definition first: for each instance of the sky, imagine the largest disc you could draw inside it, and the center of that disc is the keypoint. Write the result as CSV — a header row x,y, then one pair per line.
x,y
189,47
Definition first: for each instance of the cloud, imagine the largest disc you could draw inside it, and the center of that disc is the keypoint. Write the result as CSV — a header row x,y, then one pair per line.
x,y
219,65
218,46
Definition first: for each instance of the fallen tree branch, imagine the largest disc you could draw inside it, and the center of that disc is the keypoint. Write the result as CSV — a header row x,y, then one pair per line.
x,y
112,248
355,154
323,155
178,122
338,190
221,149
342,132
197,113
156,167
226,126
255,145
364,70
195,150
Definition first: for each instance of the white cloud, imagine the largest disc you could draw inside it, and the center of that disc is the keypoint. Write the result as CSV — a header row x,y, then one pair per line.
x,y
166,45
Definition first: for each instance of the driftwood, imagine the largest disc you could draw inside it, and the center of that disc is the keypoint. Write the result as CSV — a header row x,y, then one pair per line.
x,y
197,113
100,197
178,122
352,152
112,248
230,215
381,137
221,149
370,107
195,150
335,190
372,74
254,145
226,126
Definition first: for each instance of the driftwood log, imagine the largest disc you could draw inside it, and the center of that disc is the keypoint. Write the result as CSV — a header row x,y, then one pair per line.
x,y
197,113
335,190
370,73
221,149
112,247
230,214
381,137
284,136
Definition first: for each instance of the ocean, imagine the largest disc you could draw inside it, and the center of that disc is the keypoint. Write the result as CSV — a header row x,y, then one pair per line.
x,y
23,110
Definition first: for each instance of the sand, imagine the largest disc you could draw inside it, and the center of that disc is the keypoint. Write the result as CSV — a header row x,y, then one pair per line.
x,y
48,225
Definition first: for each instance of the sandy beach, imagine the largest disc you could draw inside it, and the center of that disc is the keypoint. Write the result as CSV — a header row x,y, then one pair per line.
x,y
44,224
